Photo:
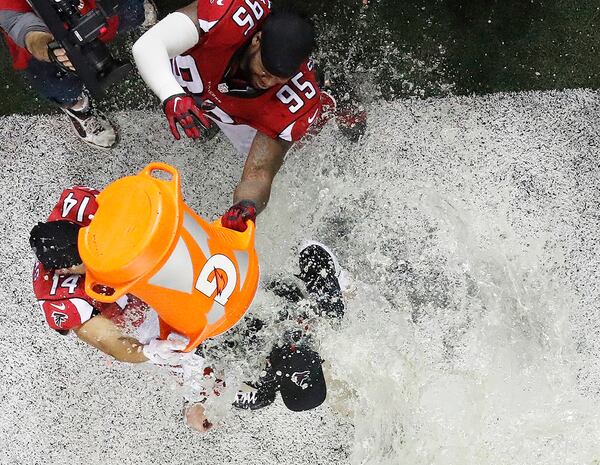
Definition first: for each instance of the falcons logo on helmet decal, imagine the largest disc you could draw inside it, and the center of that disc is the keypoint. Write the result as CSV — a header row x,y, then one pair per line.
x,y
59,318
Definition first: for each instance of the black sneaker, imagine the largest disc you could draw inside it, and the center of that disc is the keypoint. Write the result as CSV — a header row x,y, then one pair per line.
x,y
259,394
320,271
92,126
255,397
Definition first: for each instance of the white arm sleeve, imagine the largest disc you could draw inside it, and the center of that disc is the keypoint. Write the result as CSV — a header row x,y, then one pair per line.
x,y
170,37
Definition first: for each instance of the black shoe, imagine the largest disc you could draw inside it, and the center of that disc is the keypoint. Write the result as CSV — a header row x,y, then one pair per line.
x,y
255,397
320,271
259,394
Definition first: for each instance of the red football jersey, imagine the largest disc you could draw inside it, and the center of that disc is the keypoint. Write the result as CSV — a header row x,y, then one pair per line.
x,y
63,299
285,111
77,205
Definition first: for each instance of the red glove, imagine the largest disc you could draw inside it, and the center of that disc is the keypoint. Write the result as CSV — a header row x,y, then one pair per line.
x,y
352,122
236,216
182,109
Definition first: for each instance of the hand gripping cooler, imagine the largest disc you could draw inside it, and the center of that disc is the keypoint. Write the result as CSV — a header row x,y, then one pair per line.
x,y
199,277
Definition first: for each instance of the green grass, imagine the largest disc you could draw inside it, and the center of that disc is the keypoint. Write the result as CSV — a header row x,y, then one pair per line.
x,y
421,48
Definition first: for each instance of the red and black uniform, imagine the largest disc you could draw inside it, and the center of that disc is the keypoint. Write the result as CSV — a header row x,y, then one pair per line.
x,y
63,299
285,111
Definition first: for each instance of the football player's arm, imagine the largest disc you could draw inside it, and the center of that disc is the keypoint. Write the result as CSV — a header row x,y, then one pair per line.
x,y
104,335
172,36
265,157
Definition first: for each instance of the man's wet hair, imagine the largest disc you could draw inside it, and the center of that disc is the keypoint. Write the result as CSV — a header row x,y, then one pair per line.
x,y
288,39
55,244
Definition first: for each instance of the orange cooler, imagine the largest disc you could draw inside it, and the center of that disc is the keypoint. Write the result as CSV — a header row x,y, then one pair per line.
x,y
199,277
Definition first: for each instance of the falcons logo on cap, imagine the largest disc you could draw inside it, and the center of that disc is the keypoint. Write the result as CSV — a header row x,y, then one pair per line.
x,y
301,378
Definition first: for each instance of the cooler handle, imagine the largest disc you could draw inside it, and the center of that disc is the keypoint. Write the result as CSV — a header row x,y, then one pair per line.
x,y
236,239
90,283
158,166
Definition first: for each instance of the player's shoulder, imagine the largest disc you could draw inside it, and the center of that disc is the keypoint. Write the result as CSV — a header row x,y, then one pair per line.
x,y
76,204
304,84
62,299
48,285
244,15
211,12
299,101
307,73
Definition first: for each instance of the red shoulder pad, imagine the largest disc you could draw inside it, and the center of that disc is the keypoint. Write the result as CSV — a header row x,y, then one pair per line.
x,y
77,204
240,19
66,314
302,97
210,12
48,285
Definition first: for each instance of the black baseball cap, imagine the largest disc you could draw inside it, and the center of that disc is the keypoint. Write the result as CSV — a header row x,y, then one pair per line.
x,y
287,40
300,373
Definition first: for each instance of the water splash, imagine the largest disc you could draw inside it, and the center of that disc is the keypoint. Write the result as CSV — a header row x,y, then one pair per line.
x,y
458,345
469,227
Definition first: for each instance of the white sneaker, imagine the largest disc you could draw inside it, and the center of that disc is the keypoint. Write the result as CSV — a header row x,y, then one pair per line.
x,y
92,126
150,14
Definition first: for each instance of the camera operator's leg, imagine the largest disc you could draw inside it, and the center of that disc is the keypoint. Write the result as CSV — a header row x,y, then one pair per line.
x,y
66,90
51,82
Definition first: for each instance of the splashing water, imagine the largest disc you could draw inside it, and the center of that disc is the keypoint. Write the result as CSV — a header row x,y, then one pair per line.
x,y
458,344
454,220
468,227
